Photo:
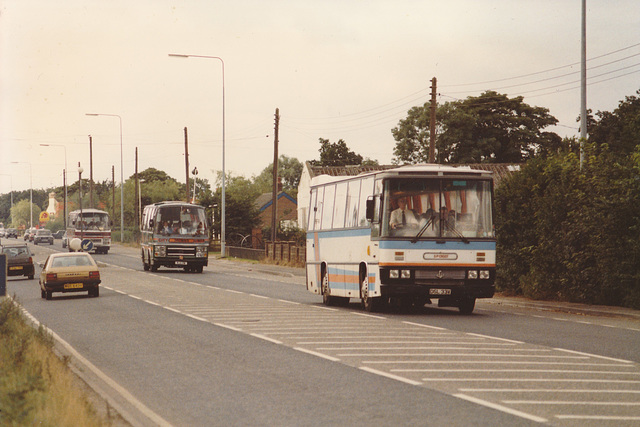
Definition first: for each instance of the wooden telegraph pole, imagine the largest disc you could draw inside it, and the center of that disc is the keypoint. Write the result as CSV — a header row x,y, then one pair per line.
x,y
274,202
432,123
186,162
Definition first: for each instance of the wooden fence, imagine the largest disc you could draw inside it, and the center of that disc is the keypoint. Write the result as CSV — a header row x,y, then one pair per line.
x,y
282,251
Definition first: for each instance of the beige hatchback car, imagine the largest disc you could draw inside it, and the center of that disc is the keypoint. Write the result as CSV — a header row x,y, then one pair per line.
x,y
69,272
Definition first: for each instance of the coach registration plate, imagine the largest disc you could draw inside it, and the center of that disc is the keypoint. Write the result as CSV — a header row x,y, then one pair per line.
x,y
73,285
439,291
181,263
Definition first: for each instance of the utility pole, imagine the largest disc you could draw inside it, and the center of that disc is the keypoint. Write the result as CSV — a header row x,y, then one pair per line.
x,y
90,172
583,83
113,194
186,161
432,123
274,202
137,184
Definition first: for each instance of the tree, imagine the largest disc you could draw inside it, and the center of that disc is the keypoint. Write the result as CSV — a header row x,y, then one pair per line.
x,y
336,154
619,129
490,128
289,169
20,213
241,215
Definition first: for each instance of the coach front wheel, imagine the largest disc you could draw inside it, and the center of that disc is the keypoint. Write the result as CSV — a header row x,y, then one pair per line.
x,y
326,298
369,303
467,305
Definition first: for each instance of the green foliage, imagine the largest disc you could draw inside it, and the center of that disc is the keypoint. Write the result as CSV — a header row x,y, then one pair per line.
x,y
289,170
490,128
619,129
21,211
571,234
241,215
36,388
336,154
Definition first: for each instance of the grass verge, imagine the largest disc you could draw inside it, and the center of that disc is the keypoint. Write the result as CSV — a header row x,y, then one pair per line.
x,y
36,387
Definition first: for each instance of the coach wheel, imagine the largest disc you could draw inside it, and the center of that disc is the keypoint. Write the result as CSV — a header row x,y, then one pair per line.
x,y
145,264
326,298
368,303
467,305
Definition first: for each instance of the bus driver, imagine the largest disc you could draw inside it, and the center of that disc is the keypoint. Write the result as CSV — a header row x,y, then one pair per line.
x,y
402,217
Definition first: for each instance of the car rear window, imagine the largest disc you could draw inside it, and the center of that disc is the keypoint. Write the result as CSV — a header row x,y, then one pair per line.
x,y
15,251
71,261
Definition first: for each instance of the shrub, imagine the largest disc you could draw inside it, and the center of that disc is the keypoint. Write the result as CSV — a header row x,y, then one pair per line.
x,y
572,234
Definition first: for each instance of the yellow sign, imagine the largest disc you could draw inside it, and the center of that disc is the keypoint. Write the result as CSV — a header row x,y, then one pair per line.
x,y
44,216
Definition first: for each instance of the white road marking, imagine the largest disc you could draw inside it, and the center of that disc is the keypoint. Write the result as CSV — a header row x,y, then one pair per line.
x,y
501,408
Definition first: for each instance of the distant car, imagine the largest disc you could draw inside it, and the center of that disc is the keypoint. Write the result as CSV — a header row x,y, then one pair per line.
x,y
12,232
65,240
42,236
19,260
69,272
28,234
58,234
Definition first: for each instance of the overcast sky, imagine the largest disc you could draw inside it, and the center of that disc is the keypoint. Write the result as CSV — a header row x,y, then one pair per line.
x,y
336,69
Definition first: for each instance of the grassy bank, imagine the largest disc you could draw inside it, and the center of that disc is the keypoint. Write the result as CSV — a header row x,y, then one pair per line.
x,y
36,387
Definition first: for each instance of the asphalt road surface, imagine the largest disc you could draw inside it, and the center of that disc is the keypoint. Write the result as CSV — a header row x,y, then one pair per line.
x,y
245,344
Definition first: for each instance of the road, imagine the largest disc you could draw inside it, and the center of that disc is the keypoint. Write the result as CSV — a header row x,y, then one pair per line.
x,y
241,345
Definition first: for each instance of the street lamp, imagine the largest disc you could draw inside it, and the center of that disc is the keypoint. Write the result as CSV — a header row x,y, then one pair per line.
x,y
121,174
65,178
30,192
223,219
195,175
80,170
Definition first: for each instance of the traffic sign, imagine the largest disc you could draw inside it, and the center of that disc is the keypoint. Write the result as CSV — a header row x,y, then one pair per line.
x,y
86,245
44,216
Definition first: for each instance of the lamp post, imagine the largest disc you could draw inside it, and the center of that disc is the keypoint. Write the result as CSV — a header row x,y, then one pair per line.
x,y
80,170
30,192
223,219
121,174
195,175
65,178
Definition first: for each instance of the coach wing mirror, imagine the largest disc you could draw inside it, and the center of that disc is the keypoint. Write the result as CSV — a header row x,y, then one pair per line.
x,y
151,223
371,206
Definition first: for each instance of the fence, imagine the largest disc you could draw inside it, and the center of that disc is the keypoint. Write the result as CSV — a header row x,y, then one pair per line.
x,y
280,252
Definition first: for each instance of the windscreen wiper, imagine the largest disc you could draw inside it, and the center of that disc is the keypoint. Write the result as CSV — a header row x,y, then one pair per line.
x,y
422,230
456,232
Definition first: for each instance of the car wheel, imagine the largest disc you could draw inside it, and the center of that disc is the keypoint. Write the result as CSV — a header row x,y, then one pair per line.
x,y
43,294
31,277
49,294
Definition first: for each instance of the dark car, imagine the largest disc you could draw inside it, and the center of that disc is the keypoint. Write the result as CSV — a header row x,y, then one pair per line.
x,y
42,236
12,232
19,260
69,272
58,234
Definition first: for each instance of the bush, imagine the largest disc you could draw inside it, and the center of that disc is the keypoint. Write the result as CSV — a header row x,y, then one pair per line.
x,y
571,234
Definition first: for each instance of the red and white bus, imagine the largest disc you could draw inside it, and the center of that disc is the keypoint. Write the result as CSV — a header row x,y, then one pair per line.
x,y
90,224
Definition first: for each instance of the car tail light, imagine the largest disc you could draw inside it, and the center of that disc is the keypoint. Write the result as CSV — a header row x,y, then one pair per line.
x,y
94,275
51,277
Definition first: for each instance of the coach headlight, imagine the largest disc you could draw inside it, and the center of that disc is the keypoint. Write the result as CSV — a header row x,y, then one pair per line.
x,y
405,274
160,251
485,274
394,274
472,274
201,252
